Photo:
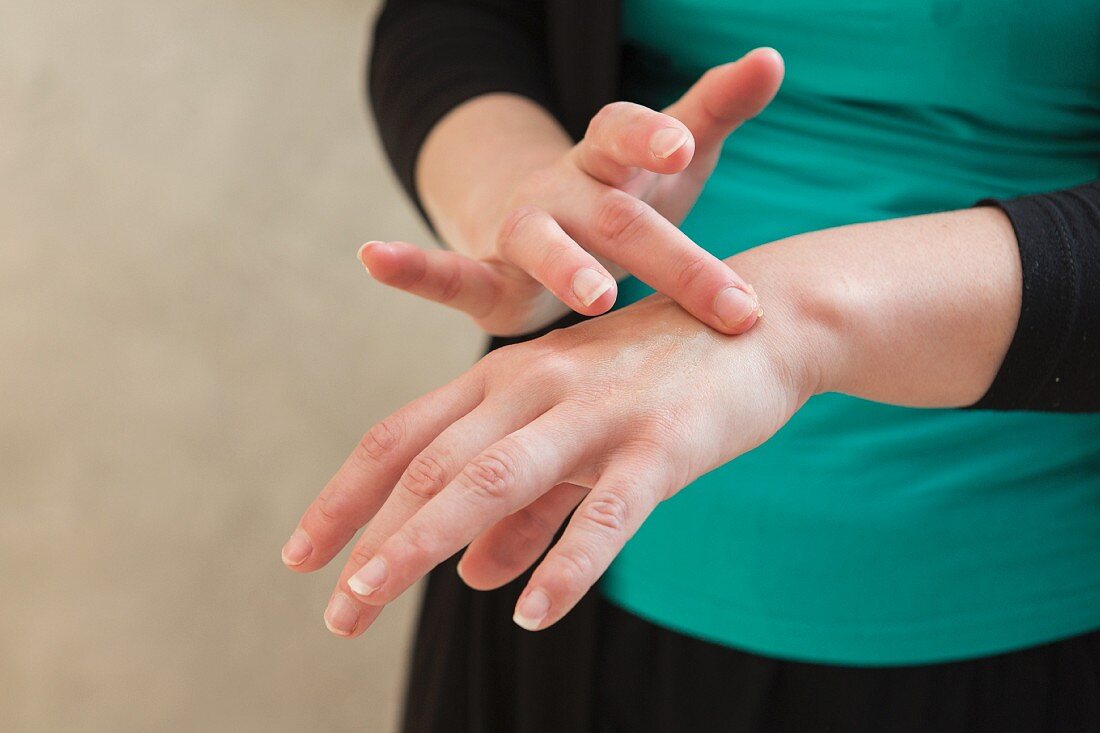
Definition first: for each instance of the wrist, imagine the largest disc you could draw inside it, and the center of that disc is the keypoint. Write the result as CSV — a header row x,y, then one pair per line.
x,y
917,311
474,158
801,328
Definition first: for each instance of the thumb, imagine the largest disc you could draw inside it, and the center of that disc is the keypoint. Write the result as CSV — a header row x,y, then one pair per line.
x,y
727,95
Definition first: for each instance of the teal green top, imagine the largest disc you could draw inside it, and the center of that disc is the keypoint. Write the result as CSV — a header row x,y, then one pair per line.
x,y
864,533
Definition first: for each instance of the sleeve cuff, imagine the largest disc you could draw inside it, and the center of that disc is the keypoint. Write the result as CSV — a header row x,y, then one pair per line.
x,y
1053,361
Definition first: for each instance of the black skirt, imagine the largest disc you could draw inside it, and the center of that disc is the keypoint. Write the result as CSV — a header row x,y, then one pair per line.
x,y
603,670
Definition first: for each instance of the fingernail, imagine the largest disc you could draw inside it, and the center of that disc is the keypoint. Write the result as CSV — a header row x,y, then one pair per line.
x,y
589,285
341,615
297,549
734,306
752,292
667,141
370,577
362,251
532,610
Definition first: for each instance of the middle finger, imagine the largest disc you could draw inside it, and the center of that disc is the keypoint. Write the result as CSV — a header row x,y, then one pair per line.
x,y
426,475
625,230
504,477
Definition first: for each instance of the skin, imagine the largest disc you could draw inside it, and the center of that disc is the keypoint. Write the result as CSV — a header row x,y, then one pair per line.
x,y
616,414
549,225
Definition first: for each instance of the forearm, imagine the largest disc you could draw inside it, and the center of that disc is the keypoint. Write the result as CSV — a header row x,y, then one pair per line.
x,y
429,57
475,156
917,311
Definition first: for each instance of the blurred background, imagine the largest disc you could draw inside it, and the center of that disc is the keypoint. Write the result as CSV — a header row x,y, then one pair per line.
x,y
190,348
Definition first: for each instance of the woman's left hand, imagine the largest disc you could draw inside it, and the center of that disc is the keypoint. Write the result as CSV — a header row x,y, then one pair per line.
x,y
608,417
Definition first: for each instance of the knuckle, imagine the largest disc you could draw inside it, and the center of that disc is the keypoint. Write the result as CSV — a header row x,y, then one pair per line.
x,y
493,358
691,269
382,438
491,475
515,225
556,368
663,458
419,541
425,477
556,259
649,457
548,380
359,556
332,507
574,571
599,119
609,512
498,360
613,125
536,365
611,110
620,217
451,285
660,443
657,443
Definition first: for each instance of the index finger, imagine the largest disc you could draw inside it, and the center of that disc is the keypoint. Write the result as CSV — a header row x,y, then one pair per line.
x,y
627,231
365,479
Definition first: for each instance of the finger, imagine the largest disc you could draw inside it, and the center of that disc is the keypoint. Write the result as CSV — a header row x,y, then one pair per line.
x,y
726,96
532,241
455,280
504,477
362,483
425,476
513,544
610,515
627,231
624,137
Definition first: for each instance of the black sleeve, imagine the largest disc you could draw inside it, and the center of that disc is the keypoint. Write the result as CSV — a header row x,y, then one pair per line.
x,y
429,56
1053,363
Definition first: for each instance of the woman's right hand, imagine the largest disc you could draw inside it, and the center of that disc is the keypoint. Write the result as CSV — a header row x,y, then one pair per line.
x,y
590,426
610,206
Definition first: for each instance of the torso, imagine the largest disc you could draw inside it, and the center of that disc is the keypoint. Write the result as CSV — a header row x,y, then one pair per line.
x,y
865,533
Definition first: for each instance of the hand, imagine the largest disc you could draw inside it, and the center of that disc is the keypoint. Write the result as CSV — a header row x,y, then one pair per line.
x,y
609,417
610,206
619,412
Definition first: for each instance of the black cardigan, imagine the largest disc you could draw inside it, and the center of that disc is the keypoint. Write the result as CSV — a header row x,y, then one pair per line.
x,y
431,55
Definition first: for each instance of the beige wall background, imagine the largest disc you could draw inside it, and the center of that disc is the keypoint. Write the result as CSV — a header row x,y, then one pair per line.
x,y
189,349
